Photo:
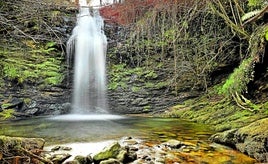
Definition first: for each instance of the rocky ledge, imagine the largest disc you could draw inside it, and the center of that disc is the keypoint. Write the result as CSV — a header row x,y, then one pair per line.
x,y
251,139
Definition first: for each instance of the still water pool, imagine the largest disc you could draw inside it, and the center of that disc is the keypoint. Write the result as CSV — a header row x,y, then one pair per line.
x,y
99,128
91,128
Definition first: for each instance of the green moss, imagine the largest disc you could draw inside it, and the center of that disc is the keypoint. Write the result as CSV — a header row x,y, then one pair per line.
x,y
256,128
149,85
27,101
162,84
238,80
221,114
266,35
113,85
32,67
255,3
7,114
135,89
53,80
147,107
5,105
150,75
110,151
120,76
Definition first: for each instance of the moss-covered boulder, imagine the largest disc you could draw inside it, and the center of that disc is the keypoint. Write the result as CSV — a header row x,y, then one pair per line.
x,y
251,139
19,142
110,151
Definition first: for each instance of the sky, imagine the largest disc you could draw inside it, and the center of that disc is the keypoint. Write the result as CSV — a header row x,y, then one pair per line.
x,y
97,2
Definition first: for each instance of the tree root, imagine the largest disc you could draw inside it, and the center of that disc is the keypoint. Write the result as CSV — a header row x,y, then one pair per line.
x,y
244,103
36,156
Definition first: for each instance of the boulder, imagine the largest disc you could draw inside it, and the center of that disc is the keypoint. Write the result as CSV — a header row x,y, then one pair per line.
x,y
13,143
59,158
84,160
251,139
15,103
110,151
116,153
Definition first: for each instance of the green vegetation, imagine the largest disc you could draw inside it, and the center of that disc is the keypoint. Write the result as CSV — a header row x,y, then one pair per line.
x,y
31,45
120,75
255,3
38,66
179,41
237,82
7,114
221,115
220,43
147,108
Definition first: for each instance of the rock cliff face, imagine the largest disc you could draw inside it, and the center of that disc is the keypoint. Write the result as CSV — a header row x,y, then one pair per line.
x,y
144,100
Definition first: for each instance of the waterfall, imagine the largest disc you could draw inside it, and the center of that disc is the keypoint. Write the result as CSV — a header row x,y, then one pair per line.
x,y
88,43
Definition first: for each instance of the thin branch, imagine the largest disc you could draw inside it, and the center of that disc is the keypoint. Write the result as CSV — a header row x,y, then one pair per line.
x,y
233,13
36,156
229,22
258,16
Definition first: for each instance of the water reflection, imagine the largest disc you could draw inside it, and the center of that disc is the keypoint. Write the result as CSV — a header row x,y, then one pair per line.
x,y
64,130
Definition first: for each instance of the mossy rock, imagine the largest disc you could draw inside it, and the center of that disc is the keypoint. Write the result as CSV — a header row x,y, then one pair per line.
x,y
251,139
110,151
7,114
256,128
14,146
83,160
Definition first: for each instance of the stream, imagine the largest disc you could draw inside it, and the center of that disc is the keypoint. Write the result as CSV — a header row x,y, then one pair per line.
x,y
99,130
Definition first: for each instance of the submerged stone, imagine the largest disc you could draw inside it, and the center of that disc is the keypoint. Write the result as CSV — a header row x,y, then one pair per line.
x,y
110,161
174,144
55,148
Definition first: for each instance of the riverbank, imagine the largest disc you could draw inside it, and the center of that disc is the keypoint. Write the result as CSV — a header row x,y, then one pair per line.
x,y
238,128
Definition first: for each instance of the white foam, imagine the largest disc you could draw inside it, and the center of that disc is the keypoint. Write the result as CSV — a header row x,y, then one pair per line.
x,y
86,117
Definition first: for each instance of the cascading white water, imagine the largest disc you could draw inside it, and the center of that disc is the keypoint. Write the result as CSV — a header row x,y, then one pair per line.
x,y
89,44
